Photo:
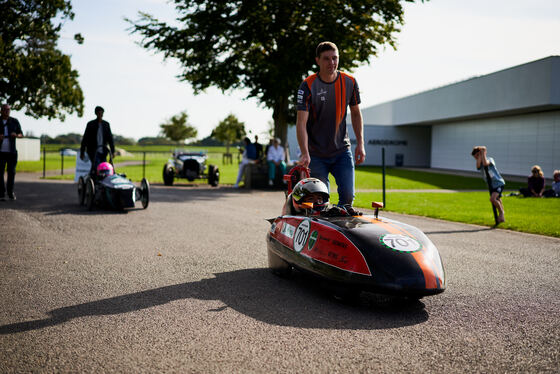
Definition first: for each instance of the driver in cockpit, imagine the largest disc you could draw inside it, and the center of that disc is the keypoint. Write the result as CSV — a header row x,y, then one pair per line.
x,y
309,196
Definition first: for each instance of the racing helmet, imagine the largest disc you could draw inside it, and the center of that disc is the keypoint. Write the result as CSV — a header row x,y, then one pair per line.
x,y
105,169
307,187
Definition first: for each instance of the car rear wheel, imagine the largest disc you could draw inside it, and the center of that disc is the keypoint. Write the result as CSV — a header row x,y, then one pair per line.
x,y
168,175
278,265
90,193
145,193
213,175
81,191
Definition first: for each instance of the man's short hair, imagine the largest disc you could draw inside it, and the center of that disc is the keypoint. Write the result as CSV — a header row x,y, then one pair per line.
x,y
97,108
325,46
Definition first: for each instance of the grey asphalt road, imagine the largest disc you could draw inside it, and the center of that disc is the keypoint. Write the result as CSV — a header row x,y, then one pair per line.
x,y
184,287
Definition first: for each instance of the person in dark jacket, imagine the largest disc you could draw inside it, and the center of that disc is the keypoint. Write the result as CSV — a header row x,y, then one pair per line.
x,y
11,130
96,138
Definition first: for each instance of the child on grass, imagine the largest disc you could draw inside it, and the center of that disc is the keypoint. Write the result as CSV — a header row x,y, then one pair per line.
x,y
496,181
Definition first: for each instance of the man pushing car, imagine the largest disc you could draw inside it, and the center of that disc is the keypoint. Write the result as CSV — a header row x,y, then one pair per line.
x,y
322,102
97,137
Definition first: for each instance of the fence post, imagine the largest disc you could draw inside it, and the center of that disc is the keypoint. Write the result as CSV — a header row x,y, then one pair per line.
x,y
383,166
144,165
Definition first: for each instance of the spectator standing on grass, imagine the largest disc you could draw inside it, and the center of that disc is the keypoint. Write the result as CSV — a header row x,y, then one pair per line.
x,y
555,190
11,130
322,102
249,155
496,182
275,158
97,137
535,183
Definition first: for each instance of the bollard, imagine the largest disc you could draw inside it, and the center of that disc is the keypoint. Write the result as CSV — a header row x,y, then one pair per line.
x,y
383,167
44,162
144,164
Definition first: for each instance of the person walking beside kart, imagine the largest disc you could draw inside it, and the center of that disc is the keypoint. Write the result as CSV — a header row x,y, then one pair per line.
x,y
97,137
322,101
11,130
496,181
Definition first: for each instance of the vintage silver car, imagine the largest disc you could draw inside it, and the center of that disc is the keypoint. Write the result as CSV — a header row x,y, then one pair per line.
x,y
190,165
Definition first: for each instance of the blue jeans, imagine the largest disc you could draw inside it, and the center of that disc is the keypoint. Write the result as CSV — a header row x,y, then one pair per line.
x,y
341,167
272,169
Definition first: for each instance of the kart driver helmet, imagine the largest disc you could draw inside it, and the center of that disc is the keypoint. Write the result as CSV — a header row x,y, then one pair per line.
x,y
311,190
105,169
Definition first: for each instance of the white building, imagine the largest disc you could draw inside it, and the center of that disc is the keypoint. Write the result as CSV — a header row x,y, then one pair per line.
x,y
514,112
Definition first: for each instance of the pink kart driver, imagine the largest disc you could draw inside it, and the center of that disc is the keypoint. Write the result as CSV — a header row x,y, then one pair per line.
x,y
105,169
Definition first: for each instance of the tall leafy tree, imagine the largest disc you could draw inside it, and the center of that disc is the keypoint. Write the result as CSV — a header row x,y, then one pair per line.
x,y
34,74
268,46
230,130
177,128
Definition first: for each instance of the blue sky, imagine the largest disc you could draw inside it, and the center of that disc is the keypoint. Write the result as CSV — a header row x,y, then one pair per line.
x,y
442,41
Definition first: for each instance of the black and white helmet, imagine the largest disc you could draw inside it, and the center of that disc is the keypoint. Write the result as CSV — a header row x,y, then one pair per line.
x,y
307,187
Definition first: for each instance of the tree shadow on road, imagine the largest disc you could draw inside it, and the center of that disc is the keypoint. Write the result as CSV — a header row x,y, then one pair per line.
x,y
61,197
256,293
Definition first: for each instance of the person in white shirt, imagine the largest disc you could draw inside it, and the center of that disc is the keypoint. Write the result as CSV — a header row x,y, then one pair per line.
x,y
275,158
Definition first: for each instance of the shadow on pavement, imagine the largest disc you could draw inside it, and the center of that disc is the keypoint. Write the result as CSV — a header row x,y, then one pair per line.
x,y
61,197
258,294
459,231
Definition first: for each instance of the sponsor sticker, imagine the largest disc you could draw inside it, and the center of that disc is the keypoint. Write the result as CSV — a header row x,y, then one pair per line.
x,y
288,230
400,243
301,235
312,239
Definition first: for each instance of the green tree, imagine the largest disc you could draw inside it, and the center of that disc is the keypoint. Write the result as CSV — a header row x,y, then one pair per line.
x,y
154,141
34,74
177,128
230,130
268,46
121,140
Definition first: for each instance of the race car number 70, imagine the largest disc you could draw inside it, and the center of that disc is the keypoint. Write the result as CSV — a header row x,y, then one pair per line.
x,y
401,243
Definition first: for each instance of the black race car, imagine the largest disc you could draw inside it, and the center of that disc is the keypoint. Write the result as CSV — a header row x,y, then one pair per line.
x,y
356,252
190,165
113,191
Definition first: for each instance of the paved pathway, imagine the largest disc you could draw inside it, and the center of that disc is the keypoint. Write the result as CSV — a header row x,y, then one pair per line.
x,y
183,286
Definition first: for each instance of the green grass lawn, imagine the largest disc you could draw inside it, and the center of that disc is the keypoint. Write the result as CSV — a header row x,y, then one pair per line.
x,y
539,216
533,215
